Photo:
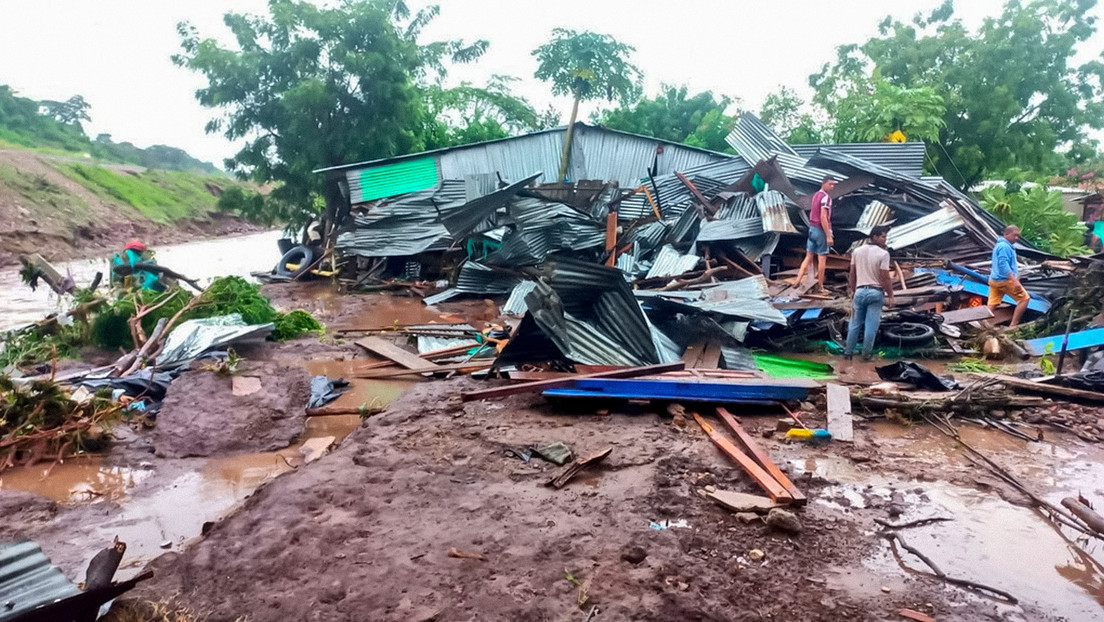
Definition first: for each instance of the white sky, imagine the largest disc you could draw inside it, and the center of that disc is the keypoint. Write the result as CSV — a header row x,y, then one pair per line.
x,y
116,52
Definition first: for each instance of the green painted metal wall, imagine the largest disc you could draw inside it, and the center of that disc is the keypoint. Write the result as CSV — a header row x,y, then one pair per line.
x,y
398,178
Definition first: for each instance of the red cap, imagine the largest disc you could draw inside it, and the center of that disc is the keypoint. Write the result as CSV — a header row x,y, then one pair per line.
x,y
135,245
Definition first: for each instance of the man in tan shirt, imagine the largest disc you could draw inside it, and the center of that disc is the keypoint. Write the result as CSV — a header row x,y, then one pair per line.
x,y
869,284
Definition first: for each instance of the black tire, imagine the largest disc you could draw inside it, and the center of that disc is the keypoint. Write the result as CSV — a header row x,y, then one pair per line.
x,y
908,333
285,245
299,255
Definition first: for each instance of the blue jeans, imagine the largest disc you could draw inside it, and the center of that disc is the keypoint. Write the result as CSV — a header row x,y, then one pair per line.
x,y
817,242
866,314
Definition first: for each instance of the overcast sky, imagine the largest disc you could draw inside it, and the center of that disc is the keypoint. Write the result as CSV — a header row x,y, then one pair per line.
x,y
116,53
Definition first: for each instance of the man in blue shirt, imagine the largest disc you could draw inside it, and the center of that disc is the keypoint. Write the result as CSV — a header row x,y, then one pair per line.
x,y
1004,275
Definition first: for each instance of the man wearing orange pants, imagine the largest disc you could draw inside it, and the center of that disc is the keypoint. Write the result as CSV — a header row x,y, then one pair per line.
x,y
1004,275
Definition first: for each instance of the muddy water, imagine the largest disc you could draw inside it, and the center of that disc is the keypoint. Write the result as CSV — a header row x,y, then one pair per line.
x,y
202,260
990,540
164,508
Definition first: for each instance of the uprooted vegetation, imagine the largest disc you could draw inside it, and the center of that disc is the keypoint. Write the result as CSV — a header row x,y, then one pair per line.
x,y
41,420
127,320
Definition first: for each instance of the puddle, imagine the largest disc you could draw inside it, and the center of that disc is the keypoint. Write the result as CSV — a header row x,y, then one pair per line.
x,y
81,478
375,393
990,540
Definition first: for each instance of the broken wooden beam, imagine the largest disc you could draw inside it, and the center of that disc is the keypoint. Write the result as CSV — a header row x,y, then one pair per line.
x,y
1085,513
541,385
1018,384
574,468
776,491
760,456
389,350
472,366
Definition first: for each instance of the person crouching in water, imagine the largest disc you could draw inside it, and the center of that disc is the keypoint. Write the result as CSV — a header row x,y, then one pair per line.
x,y
125,265
820,234
869,283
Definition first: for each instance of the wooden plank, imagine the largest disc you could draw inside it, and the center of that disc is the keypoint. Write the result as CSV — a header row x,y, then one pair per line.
x,y
711,357
761,456
693,355
389,350
472,366
1045,389
761,477
969,314
541,385
573,469
839,413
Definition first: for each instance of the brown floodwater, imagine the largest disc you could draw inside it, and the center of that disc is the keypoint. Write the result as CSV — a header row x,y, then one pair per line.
x,y
990,540
202,260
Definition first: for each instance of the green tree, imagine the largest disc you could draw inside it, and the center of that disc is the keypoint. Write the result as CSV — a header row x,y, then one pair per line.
x,y
70,112
586,66
883,112
469,114
307,87
786,114
699,120
1012,90
1039,214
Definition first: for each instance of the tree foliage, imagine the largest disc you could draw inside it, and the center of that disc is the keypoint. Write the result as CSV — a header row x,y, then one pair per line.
x,y
70,112
1039,214
882,112
699,120
588,65
1012,90
786,113
306,87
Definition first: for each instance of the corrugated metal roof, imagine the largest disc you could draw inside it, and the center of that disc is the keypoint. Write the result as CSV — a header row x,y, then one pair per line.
x,y
597,153
773,207
943,220
28,579
670,262
888,178
753,140
905,158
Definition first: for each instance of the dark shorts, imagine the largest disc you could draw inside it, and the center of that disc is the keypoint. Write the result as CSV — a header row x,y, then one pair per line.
x,y
818,241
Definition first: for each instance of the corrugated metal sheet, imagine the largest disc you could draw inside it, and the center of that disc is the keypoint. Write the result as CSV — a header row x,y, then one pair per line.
x,y
773,207
875,213
597,153
943,220
670,262
905,158
392,179
406,225
515,304
850,165
753,140
468,218
755,247
28,579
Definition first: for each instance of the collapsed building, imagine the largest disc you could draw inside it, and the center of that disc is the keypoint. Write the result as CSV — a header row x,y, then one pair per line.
x,y
648,247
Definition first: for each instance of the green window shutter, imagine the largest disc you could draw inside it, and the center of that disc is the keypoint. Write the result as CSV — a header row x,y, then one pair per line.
x,y
398,178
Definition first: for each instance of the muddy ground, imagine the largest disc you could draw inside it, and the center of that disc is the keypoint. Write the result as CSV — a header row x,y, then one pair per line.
x,y
365,532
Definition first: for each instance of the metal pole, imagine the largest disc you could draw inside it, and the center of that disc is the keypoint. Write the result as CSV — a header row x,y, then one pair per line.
x,y
1065,344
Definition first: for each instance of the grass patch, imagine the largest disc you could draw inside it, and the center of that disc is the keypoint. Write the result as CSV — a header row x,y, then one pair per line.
x,y
40,192
161,196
